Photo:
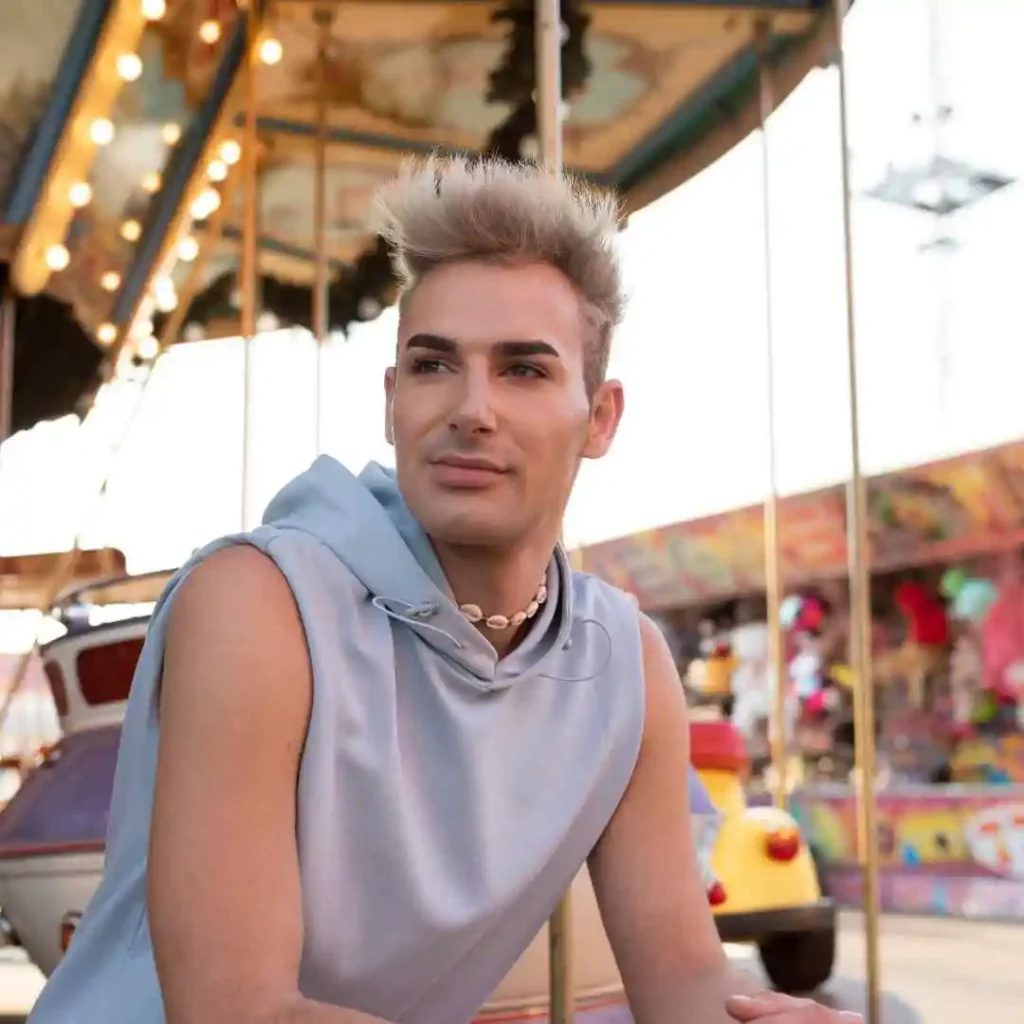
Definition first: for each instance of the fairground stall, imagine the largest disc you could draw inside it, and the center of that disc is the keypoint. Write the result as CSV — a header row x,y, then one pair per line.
x,y
947,603
179,170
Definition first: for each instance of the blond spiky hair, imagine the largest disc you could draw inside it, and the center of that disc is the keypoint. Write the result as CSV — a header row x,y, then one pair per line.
x,y
441,211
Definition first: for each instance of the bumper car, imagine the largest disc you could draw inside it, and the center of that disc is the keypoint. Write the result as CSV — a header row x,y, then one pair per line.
x,y
767,889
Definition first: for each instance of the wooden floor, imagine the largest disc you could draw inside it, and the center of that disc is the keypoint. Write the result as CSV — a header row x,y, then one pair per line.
x,y
933,971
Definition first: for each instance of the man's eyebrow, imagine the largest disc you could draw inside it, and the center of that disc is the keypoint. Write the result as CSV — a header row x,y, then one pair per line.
x,y
433,342
518,349
506,349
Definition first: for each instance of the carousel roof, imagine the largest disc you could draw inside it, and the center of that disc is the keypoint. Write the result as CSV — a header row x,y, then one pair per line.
x,y
121,136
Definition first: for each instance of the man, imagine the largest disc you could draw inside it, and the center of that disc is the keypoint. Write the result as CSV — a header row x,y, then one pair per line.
x,y
369,744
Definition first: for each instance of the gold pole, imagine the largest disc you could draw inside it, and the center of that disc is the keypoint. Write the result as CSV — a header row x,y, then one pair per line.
x,y
8,309
860,584
548,45
772,549
323,17
249,260
548,49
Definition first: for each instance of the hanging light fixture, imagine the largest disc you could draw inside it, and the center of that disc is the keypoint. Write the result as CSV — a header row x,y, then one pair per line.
x,y
110,281
101,131
131,230
271,51
57,257
154,10
188,249
106,334
147,348
129,66
205,203
209,31
165,297
230,152
80,194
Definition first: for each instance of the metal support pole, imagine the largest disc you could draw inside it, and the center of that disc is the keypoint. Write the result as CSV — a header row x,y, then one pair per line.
x,y
7,313
249,258
858,555
772,547
548,46
548,49
323,17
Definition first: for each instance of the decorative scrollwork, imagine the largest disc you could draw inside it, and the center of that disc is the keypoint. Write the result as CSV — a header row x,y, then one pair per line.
x,y
365,287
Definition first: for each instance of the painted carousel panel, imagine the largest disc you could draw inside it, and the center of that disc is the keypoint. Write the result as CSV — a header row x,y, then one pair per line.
x,y
32,43
412,75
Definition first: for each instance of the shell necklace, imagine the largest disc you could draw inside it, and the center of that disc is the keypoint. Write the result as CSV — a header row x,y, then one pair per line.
x,y
475,614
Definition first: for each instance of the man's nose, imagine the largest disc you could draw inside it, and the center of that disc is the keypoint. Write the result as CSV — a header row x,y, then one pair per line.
x,y
473,411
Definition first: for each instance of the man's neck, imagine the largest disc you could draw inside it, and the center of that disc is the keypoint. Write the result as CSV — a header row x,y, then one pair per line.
x,y
499,582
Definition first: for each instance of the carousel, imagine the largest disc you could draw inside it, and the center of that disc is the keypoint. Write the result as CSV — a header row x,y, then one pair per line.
x,y
173,171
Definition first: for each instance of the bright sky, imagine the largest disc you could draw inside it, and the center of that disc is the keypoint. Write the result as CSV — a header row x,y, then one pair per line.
x,y
691,352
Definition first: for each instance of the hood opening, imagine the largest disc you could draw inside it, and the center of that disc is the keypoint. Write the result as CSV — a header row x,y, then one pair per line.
x,y
366,524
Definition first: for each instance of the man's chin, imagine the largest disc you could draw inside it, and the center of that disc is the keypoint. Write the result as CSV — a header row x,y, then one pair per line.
x,y
466,528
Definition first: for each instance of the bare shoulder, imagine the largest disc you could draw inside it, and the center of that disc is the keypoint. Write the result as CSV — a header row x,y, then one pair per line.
x,y
235,620
237,577
235,700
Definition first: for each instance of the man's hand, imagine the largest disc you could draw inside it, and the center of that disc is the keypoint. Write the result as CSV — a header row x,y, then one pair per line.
x,y
776,1008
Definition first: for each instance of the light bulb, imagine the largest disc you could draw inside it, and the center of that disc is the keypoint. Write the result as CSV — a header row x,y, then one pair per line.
x,y
151,182
154,10
164,295
80,194
102,131
230,152
110,281
271,51
529,148
131,230
209,31
217,171
205,203
170,133
57,257
188,249
148,348
267,322
106,334
368,308
129,66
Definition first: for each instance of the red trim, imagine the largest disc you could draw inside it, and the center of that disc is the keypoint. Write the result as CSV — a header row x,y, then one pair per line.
x,y
52,849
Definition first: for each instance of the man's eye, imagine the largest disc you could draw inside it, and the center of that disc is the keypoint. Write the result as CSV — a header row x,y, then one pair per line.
x,y
525,370
428,366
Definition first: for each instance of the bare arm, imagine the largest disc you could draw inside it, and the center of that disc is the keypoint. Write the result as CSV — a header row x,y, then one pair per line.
x,y
224,898
645,874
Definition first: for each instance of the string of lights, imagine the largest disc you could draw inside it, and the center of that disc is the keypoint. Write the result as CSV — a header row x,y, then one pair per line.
x,y
362,290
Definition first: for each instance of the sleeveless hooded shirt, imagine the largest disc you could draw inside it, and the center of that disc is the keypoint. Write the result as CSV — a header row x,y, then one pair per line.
x,y
446,797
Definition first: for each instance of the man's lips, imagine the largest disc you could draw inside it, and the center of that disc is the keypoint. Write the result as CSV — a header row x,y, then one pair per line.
x,y
467,472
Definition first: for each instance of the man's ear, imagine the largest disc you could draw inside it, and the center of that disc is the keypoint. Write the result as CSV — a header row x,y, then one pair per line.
x,y
605,415
389,404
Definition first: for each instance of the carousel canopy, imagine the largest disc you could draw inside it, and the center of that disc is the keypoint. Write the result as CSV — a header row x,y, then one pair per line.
x,y
122,136
28,581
